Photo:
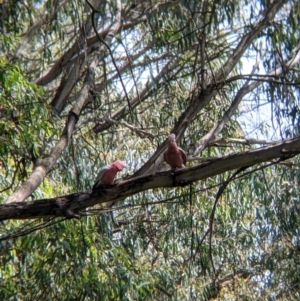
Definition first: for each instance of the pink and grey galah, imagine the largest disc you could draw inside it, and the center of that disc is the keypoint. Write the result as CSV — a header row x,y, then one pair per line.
x,y
106,175
174,155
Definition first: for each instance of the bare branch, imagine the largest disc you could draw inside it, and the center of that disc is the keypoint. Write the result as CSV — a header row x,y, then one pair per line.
x,y
247,39
248,141
142,94
140,132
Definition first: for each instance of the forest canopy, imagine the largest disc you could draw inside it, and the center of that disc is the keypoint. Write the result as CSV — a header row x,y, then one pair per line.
x,y
84,83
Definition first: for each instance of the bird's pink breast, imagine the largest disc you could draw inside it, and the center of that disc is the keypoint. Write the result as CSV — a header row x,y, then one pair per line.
x,y
173,156
109,176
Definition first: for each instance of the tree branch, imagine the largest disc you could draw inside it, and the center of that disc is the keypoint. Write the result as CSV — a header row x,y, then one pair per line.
x,y
213,290
71,205
68,81
47,17
248,141
171,65
80,47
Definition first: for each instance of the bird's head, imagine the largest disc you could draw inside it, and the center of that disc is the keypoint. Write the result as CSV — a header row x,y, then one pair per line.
x,y
172,138
120,164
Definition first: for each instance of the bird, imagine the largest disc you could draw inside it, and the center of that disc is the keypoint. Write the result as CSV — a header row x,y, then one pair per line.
x,y
106,175
174,155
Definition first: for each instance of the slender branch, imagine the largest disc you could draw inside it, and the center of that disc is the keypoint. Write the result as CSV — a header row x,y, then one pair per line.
x,y
103,41
140,132
212,215
264,78
214,289
171,65
68,81
47,17
247,39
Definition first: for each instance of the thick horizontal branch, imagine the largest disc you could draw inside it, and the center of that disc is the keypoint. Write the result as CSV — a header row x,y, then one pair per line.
x,y
71,205
246,141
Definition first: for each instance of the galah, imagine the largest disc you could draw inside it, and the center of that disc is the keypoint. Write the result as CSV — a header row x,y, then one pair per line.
x,y
106,175
174,155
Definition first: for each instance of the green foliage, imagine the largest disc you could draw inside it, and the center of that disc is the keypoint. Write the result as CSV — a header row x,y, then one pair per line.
x,y
135,257
155,245
24,122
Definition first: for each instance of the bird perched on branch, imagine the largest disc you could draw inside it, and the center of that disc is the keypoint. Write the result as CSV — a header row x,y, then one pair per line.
x,y
174,155
106,175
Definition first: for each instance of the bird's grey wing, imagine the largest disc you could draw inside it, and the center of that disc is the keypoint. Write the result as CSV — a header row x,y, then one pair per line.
x,y
100,175
183,155
165,155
